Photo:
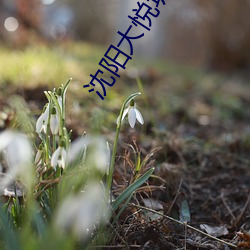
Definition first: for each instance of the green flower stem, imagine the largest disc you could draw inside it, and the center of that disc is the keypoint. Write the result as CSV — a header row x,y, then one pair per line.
x,y
63,100
47,138
112,164
66,137
54,142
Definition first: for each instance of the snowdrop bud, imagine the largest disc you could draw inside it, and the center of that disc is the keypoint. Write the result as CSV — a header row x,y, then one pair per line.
x,y
54,122
39,154
59,91
59,97
79,214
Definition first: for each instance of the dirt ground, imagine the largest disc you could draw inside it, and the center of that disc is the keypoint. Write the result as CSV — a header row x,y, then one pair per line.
x,y
199,133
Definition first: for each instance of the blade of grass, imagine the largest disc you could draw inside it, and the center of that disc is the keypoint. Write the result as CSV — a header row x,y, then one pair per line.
x,y
122,209
11,239
128,191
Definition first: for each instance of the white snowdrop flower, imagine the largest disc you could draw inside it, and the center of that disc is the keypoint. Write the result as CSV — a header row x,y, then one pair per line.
x,y
98,152
42,122
133,114
77,148
17,152
54,121
80,214
59,157
100,155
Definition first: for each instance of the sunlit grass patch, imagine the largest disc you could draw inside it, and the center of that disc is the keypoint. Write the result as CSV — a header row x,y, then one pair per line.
x,y
41,64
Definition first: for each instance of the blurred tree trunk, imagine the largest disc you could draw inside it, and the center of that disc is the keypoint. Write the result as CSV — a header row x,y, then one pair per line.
x,y
94,20
28,14
229,34
214,33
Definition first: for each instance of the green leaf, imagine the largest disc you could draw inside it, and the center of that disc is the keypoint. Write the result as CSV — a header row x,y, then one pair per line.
x,y
129,190
122,209
10,236
138,163
185,212
65,87
39,222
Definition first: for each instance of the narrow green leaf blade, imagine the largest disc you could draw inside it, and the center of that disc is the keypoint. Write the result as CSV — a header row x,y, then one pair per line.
x,y
128,191
185,212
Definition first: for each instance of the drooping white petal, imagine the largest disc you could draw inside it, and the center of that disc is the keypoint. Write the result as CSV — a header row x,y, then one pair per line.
x,y
125,112
64,154
59,158
63,160
39,123
54,124
55,156
46,113
132,117
61,163
38,156
44,127
139,116
5,139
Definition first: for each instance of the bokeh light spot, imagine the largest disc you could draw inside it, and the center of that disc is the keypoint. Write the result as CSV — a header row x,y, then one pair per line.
x,y
47,2
11,24
58,31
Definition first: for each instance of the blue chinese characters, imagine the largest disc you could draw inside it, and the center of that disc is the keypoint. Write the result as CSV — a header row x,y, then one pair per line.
x,y
142,17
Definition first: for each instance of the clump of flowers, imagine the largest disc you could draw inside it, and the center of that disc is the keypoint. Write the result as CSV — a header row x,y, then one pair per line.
x,y
73,180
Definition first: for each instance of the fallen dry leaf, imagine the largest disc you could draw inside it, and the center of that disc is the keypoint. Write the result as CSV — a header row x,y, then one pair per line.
x,y
214,230
245,236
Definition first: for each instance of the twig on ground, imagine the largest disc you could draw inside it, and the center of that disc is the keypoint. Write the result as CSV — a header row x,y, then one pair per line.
x,y
116,246
239,217
173,202
184,224
227,207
